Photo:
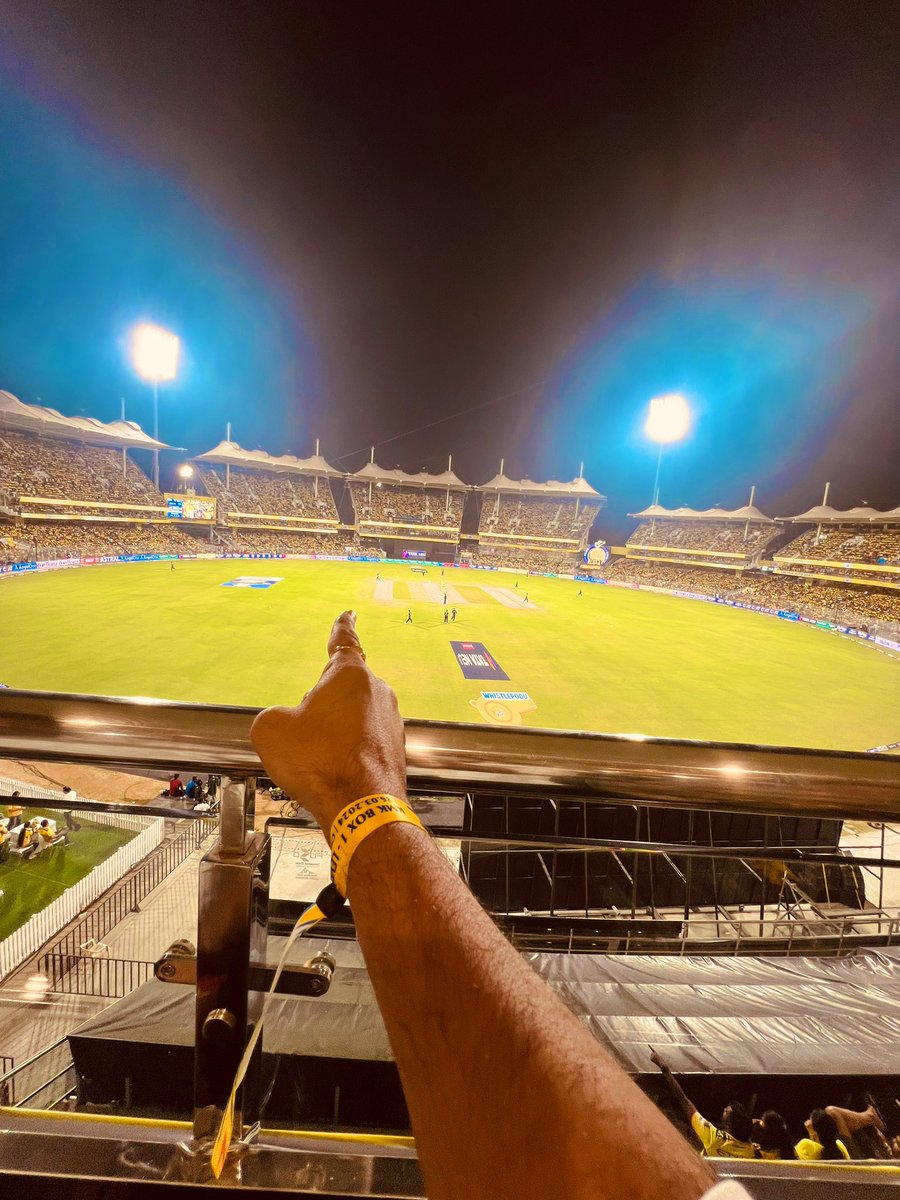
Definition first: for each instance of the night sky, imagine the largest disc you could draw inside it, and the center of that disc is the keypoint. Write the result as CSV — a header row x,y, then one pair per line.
x,y
493,231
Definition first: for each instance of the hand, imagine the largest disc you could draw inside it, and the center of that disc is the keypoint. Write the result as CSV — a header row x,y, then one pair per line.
x,y
659,1061
343,741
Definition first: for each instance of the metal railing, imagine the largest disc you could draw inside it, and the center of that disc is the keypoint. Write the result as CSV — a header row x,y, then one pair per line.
x,y
661,772
89,975
42,1081
126,896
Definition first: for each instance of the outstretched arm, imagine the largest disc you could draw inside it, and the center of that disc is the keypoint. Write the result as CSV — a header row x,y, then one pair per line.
x,y
509,1094
688,1107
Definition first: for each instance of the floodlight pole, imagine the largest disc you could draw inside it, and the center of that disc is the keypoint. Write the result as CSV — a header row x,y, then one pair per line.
x,y
655,499
156,433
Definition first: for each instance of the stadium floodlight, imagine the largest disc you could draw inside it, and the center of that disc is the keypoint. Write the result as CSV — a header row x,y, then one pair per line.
x,y
668,420
186,471
154,353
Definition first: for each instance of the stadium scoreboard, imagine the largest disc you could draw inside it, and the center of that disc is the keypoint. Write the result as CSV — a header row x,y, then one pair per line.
x,y
190,508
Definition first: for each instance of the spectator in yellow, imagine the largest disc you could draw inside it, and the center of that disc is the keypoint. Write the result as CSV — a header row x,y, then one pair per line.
x,y
823,1141
734,1139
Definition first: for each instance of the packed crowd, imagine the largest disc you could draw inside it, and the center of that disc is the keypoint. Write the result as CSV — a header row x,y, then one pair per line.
x,y
814,598
32,466
829,1134
416,505
271,493
274,541
847,545
40,541
523,559
528,517
727,537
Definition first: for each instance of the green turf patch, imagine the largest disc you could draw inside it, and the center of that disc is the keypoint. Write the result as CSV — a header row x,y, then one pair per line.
x,y
30,886
611,660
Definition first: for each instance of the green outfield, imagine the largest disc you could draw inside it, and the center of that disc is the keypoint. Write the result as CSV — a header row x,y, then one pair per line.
x,y
610,659
27,887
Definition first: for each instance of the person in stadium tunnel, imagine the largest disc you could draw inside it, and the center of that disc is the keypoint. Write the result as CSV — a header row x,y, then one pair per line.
x,y
509,1094
732,1139
823,1141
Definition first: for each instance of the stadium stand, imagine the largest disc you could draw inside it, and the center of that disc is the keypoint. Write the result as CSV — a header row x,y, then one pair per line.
x,y
271,504
535,526
53,466
394,505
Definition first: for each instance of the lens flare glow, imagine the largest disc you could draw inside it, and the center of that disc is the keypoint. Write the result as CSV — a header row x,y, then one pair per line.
x,y
669,419
154,353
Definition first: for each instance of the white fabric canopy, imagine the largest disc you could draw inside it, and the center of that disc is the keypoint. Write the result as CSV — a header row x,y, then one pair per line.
x,y
231,454
553,487
749,512
824,514
47,422
372,471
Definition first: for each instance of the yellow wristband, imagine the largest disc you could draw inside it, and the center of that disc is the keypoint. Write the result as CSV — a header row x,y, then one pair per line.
x,y
354,824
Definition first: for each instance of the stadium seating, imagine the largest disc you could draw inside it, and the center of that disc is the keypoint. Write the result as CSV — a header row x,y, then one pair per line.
x,y
31,466
389,504
815,598
725,537
526,516
270,494
276,541
42,540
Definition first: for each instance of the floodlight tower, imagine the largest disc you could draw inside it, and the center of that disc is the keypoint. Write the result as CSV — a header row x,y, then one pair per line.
x,y
668,420
154,353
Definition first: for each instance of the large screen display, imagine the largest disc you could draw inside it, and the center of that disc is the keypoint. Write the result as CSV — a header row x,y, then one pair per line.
x,y
190,508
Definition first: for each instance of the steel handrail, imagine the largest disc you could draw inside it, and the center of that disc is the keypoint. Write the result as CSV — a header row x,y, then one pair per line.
x,y
158,734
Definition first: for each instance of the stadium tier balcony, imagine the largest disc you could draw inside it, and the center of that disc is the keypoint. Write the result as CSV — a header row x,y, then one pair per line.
x,y
535,526
392,504
841,547
52,477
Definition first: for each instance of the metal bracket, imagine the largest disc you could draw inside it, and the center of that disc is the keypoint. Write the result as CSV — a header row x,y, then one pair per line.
x,y
312,979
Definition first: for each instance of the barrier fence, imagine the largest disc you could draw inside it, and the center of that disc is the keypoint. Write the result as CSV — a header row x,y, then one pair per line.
x,y
42,1081
87,975
126,897
44,925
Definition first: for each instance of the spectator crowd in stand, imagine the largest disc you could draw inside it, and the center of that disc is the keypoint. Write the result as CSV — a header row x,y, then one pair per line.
x,y
276,541
414,505
270,493
526,516
43,540
524,558
726,537
847,544
815,598
33,466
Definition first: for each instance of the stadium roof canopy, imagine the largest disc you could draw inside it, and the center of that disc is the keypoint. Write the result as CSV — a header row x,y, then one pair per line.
x,y
824,514
47,422
749,512
553,487
232,455
372,472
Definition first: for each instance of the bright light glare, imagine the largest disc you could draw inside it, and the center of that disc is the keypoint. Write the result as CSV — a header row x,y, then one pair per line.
x,y
669,418
186,471
154,352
